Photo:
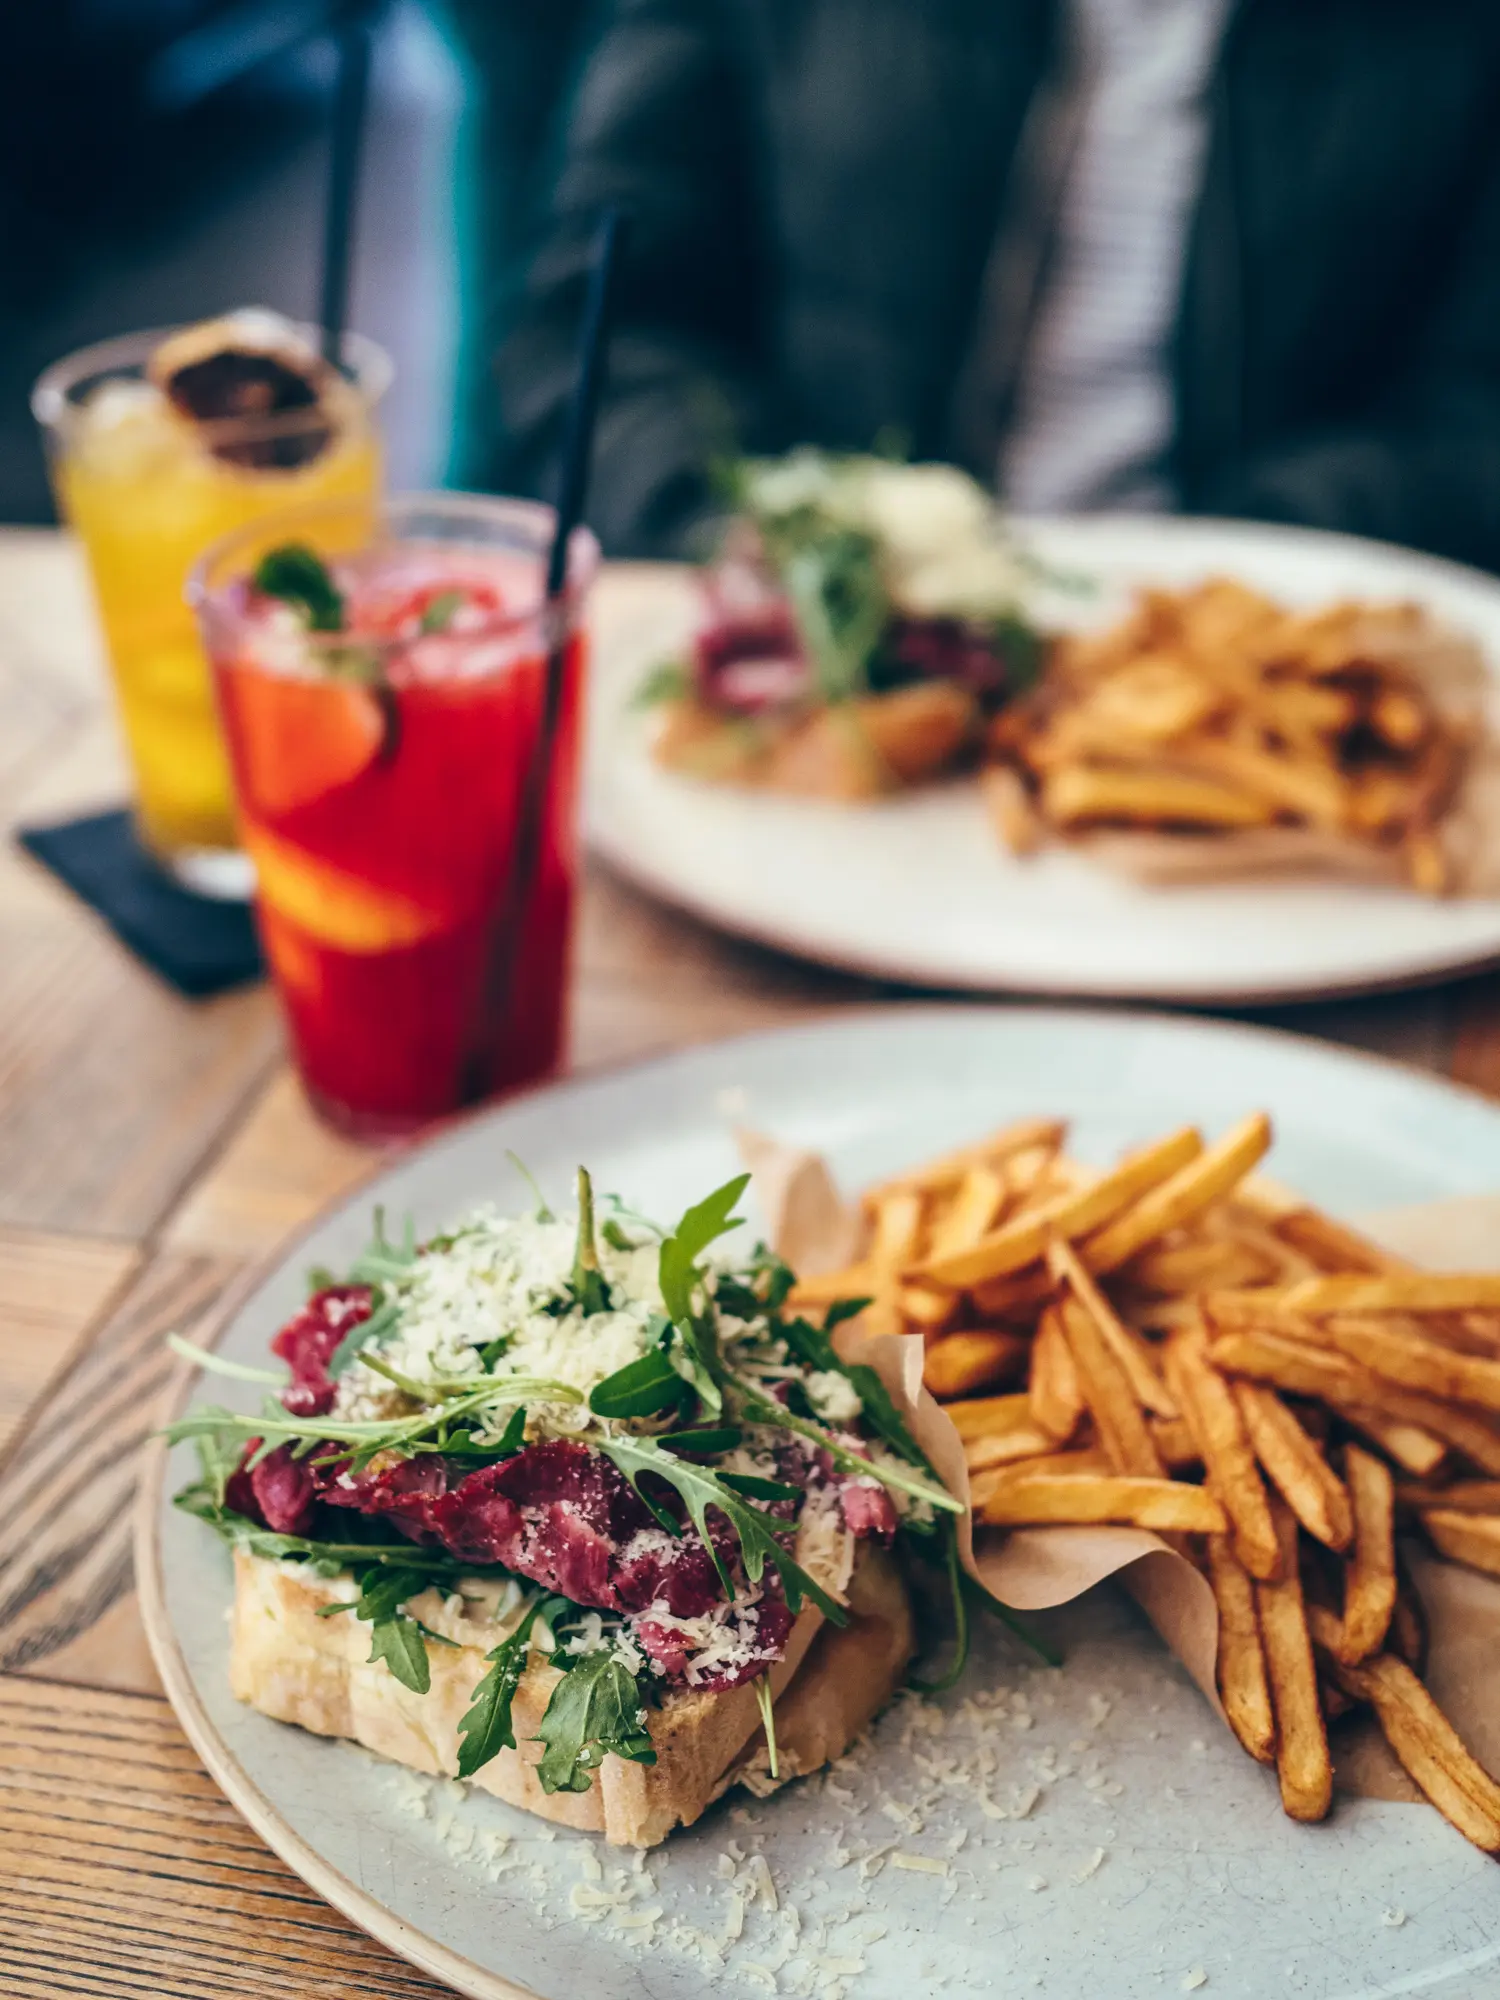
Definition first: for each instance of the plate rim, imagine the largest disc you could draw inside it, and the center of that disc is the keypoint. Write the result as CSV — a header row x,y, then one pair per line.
x,y
365,1910
803,944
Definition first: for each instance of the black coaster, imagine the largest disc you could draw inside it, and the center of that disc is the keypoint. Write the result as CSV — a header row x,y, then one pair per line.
x,y
196,943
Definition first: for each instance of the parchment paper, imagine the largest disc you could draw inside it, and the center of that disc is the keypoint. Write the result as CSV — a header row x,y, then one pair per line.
x,y
810,1223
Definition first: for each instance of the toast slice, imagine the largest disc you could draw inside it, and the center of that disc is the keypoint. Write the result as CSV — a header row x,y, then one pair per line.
x,y
296,1667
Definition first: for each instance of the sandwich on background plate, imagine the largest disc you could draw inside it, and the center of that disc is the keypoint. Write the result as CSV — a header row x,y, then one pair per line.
x,y
574,1509
861,620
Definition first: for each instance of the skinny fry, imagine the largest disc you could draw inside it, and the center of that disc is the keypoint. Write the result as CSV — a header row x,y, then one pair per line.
x,y
1370,1579
1118,1417
1423,1739
990,1416
1397,1291
960,1363
1190,1190
1243,1685
1127,1346
944,1173
1473,1539
1056,1395
1026,1499
1213,1416
1023,1241
1303,1764
1026,1442
1293,1463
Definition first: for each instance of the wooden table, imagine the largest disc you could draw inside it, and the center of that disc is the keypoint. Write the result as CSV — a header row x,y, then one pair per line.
x,y
149,1148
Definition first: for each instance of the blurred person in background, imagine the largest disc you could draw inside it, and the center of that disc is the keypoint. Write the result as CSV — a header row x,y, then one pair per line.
x,y
1237,259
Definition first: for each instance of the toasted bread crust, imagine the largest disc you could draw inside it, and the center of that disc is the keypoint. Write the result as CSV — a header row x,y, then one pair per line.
x,y
293,1665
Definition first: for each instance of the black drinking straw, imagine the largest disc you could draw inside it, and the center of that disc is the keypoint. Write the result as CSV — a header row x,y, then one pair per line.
x,y
346,142
503,956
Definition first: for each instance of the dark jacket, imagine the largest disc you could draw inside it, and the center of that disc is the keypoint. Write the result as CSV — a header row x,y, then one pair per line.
x,y
836,213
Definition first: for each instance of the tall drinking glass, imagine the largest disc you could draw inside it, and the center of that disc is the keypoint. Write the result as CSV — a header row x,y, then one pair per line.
x,y
380,765
149,486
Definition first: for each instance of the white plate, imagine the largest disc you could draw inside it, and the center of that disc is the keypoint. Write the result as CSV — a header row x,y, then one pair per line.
x,y
918,888
1152,1850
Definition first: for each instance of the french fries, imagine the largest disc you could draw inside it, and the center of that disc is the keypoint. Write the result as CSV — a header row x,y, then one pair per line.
x,y
1118,1417
1422,1737
1243,1686
961,1363
1179,1345
1467,1538
1215,718
1295,1466
1070,1215
1022,1498
1056,1396
1216,1422
1370,1579
1303,1764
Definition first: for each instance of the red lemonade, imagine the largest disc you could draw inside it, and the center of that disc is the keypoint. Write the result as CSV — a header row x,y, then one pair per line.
x,y
381,712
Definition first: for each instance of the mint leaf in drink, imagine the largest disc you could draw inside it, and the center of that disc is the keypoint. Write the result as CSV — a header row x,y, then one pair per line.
x,y
440,613
300,577
596,1710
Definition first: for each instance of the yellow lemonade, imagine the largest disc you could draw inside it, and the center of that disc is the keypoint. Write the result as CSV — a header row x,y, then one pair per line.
x,y
148,491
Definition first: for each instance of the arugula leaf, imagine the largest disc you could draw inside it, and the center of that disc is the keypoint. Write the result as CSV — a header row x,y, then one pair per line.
x,y
485,1725
379,1323
701,1225
757,1488
678,1274
299,576
382,1592
843,1309
241,1532
772,1412
959,1586
381,1260
543,1212
399,1642
942,1682
513,1436
763,1698
218,1458
669,680
814,1349
832,580
595,1711
701,1488
641,1388
318,1278
705,1443
379,1434
217,1364
588,1283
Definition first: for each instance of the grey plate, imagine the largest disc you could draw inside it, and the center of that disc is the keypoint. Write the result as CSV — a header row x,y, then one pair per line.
x,y
1084,1833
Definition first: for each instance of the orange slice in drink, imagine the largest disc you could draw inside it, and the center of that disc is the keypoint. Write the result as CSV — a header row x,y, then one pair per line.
x,y
298,739
295,960
330,906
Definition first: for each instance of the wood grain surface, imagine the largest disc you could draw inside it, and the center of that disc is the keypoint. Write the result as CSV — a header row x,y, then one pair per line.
x,y
149,1150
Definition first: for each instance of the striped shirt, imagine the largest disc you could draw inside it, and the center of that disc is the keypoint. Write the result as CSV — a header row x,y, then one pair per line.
x,y
1093,416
